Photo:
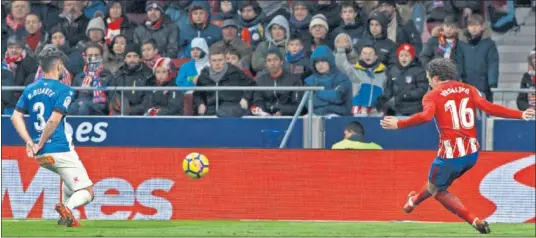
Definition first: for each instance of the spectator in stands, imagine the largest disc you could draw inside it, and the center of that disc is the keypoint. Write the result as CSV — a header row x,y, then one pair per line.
x,y
251,19
376,35
19,62
223,103
319,29
117,23
159,27
346,40
364,8
400,30
91,7
228,10
73,22
199,26
149,51
272,9
350,25
115,55
75,62
336,98
8,97
36,37
232,56
48,12
177,11
276,103
477,57
443,42
331,11
437,11
94,75
296,59
464,9
277,34
405,86
231,39
299,22
95,32
15,20
354,139
167,102
188,72
133,73
528,100
367,77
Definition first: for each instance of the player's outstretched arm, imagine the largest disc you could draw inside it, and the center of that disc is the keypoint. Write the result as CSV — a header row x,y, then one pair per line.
x,y
494,109
427,114
50,127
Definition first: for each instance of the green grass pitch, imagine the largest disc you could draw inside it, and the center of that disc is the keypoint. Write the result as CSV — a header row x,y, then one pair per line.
x,y
255,228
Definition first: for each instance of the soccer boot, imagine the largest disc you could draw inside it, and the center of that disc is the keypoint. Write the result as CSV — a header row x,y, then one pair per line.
x,y
481,226
61,222
66,215
408,207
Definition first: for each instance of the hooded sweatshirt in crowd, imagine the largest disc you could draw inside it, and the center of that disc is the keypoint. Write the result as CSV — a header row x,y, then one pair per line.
x,y
208,31
336,98
385,48
258,61
192,68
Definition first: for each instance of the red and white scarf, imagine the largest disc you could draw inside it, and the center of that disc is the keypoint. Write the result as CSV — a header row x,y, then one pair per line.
x,y
66,77
11,23
113,30
94,80
11,62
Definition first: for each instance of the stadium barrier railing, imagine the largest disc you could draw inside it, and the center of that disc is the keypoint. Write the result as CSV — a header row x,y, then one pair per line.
x,y
308,95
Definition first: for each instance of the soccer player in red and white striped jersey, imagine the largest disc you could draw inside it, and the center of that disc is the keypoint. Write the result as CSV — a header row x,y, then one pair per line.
x,y
453,105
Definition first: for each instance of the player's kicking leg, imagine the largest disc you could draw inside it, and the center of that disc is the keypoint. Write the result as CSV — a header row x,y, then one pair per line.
x,y
442,174
79,198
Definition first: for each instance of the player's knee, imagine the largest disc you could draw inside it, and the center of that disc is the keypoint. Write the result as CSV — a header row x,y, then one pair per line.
x,y
433,189
90,191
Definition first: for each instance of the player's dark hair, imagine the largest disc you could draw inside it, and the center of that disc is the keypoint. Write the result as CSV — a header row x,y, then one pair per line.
x,y
95,45
49,57
443,68
346,4
355,127
152,42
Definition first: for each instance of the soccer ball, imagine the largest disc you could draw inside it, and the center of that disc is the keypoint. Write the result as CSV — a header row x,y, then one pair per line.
x,y
195,165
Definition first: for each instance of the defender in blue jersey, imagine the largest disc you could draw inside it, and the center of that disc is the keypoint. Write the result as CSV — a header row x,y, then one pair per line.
x,y
47,101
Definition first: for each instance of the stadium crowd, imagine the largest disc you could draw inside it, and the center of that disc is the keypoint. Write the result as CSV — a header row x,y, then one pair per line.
x,y
370,56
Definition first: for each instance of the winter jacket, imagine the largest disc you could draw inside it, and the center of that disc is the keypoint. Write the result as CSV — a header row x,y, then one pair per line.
x,y
74,31
47,12
301,28
385,48
527,100
272,9
367,84
406,32
40,45
8,97
477,62
407,86
75,64
459,5
168,102
179,14
355,31
25,72
433,50
209,32
258,60
138,101
285,102
93,7
112,62
166,37
331,12
336,98
192,68
299,66
106,78
254,29
436,11
233,77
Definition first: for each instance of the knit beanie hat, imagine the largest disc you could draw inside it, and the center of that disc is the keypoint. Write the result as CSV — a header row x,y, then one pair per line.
x,y
406,47
156,4
96,23
319,19
133,47
275,51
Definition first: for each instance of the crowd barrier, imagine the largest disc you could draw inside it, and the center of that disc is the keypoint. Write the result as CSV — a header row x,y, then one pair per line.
x,y
148,183
258,132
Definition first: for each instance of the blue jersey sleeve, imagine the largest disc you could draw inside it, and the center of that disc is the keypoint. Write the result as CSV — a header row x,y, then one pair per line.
x,y
63,101
22,104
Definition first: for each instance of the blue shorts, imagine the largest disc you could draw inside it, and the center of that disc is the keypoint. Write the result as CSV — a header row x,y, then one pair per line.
x,y
444,171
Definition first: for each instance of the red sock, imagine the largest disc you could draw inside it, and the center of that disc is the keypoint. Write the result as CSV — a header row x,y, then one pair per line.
x,y
421,196
454,205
